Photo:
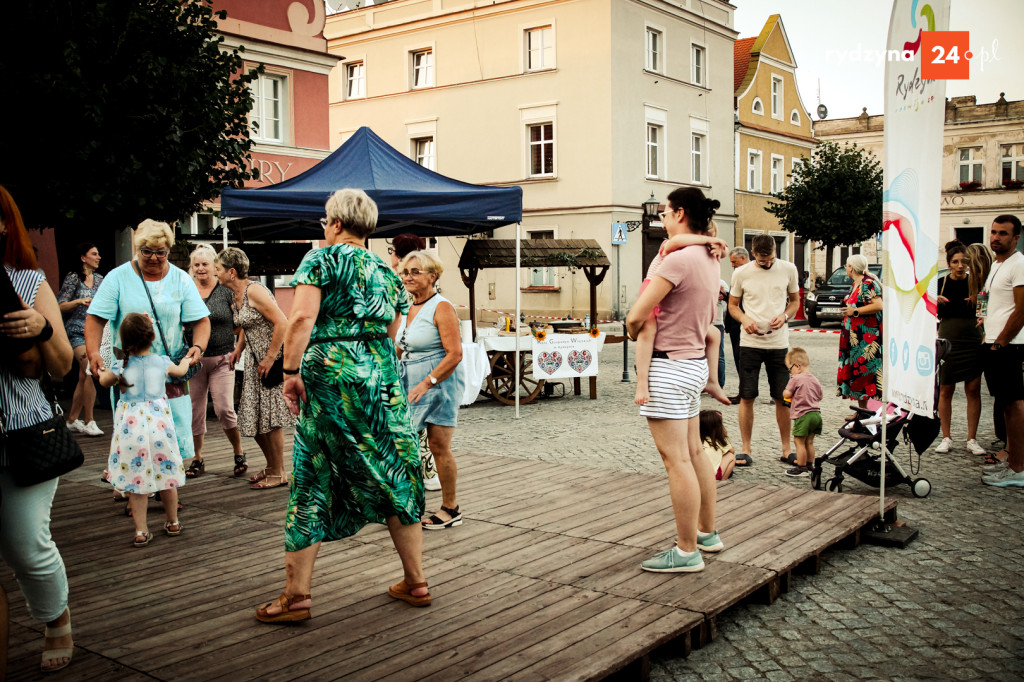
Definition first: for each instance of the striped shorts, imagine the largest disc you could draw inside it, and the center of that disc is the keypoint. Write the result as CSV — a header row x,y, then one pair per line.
x,y
675,387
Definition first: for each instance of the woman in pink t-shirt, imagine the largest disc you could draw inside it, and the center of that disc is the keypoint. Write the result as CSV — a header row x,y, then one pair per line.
x,y
684,286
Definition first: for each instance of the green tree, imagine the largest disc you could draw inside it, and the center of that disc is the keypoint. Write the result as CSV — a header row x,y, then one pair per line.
x,y
119,111
835,198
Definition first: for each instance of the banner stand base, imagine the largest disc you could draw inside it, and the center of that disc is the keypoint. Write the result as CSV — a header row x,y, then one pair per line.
x,y
888,535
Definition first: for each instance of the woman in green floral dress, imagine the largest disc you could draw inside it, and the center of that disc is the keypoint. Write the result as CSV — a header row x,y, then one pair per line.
x,y
356,459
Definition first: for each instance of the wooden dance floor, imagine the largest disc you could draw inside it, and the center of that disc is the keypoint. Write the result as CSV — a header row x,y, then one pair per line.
x,y
542,581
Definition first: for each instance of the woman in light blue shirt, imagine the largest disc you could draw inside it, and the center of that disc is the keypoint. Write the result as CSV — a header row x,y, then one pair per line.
x,y
430,348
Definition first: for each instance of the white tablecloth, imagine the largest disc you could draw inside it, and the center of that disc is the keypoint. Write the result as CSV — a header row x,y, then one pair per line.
x,y
474,369
508,343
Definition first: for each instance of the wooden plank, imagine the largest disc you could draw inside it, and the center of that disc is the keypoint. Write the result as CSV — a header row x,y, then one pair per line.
x,y
542,581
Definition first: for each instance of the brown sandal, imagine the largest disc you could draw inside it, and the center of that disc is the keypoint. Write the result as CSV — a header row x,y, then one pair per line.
x,y
287,615
404,592
265,484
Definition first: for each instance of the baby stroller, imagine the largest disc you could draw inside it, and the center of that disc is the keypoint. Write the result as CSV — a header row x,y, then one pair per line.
x,y
862,438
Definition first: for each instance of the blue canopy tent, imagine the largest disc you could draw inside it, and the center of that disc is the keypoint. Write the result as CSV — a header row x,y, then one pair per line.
x,y
410,198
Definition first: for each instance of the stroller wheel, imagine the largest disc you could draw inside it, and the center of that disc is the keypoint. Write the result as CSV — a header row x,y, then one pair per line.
x,y
833,486
816,479
920,487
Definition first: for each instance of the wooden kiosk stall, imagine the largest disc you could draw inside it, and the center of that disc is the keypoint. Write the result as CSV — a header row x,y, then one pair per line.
x,y
584,254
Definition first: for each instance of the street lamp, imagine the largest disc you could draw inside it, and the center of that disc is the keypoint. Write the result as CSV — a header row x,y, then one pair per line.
x,y
650,212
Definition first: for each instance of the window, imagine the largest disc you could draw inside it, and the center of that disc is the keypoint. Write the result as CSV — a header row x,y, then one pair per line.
x,y
1013,162
268,108
654,137
697,65
355,80
697,159
422,68
776,97
794,117
753,171
970,164
778,174
542,149
542,277
757,107
423,152
540,48
654,50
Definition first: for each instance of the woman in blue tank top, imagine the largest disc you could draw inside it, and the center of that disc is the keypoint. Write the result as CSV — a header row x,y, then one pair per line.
x,y
430,349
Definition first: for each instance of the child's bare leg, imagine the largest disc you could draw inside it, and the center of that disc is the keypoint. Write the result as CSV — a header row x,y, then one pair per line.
x,y
801,450
809,447
644,350
727,465
138,504
712,344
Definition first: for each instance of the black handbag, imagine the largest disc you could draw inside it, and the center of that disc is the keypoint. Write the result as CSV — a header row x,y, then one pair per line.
x,y
275,376
175,357
40,452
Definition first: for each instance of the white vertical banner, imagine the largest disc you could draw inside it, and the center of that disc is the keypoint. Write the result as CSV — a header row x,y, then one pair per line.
x,y
915,111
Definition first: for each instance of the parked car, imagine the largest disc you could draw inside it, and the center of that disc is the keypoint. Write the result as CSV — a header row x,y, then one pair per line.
x,y
825,303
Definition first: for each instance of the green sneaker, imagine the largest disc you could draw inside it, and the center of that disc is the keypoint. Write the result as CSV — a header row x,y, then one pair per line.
x,y
671,562
711,543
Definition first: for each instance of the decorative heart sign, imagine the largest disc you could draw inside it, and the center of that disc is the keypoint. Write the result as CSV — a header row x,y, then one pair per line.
x,y
549,361
579,360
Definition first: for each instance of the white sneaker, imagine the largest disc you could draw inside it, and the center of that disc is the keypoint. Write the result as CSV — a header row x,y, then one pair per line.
x,y
432,483
944,446
1005,478
974,448
91,429
76,426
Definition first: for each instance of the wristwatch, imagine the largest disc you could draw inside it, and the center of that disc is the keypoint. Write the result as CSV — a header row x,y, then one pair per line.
x,y
856,313
432,380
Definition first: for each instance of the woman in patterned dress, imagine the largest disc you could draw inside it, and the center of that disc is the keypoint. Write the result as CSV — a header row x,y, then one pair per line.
x,y
262,412
356,458
74,298
860,344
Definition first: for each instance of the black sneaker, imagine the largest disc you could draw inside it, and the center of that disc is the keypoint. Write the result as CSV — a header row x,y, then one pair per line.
x,y
798,471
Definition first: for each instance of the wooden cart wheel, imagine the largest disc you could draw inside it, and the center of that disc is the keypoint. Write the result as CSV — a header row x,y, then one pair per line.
x,y
501,382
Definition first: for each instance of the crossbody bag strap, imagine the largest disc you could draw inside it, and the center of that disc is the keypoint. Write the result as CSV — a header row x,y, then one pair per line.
x,y
156,318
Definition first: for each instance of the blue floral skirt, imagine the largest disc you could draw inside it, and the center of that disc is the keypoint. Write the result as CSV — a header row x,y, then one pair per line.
x,y
144,455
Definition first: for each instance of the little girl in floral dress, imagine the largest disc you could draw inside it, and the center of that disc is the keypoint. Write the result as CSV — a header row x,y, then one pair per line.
x,y
144,456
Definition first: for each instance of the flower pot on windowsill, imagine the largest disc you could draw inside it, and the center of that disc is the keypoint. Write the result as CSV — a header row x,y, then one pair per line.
x,y
1013,184
970,186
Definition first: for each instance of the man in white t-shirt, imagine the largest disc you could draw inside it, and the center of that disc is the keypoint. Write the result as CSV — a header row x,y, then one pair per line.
x,y
1004,345
769,292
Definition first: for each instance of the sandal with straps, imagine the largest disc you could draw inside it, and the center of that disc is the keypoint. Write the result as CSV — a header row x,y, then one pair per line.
x,y
196,469
241,465
286,614
403,591
435,522
50,655
265,484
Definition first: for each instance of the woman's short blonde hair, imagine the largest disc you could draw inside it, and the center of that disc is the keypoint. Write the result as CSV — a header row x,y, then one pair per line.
x,y
428,262
858,263
233,257
154,234
356,211
201,250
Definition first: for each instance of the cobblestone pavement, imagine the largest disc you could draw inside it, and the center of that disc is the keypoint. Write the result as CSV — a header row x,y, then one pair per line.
x,y
950,605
